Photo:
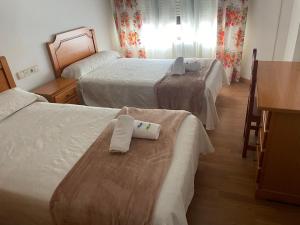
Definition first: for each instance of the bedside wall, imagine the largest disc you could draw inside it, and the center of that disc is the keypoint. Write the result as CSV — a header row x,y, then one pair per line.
x,y
297,47
267,30
25,26
292,50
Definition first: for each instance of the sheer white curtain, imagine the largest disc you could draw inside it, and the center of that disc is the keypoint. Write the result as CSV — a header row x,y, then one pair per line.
x,y
164,36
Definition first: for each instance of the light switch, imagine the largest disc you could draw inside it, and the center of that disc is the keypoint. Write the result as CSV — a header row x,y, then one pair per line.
x,y
27,72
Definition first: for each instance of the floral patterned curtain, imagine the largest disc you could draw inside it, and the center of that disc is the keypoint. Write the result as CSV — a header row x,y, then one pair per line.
x,y
232,17
128,19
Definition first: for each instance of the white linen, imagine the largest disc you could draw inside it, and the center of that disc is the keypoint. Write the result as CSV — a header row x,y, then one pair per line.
x,y
42,142
13,100
146,130
122,134
89,64
130,82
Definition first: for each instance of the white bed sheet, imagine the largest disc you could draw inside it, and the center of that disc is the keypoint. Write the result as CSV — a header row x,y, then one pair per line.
x,y
131,82
42,142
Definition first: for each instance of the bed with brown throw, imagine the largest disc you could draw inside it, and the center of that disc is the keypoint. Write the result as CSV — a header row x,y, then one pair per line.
x,y
45,161
124,187
107,80
175,91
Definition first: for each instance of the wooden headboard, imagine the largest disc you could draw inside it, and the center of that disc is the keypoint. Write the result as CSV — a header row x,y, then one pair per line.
x,y
71,46
6,78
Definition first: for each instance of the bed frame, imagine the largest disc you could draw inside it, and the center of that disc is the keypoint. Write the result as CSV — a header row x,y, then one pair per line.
x,y
6,78
71,46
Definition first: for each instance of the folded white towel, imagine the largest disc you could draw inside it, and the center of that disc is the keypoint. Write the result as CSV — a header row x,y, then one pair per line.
x,y
146,130
177,67
122,134
192,65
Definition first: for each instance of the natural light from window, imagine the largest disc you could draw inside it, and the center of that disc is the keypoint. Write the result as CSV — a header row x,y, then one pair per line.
x,y
160,37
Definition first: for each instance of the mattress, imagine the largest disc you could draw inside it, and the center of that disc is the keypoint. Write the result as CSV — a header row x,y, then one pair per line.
x,y
130,82
42,142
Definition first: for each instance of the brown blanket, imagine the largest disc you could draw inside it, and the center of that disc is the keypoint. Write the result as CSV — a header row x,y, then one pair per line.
x,y
118,189
184,91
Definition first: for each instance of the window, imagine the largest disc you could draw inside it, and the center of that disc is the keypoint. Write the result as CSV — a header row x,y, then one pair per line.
x,y
180,26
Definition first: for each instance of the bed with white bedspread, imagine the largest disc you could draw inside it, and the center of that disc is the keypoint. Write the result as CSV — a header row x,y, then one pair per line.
x,y
41,142
130,82
121,81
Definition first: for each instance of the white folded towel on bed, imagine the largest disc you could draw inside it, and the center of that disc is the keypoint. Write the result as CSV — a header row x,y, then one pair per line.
x,y
122,134
146,130
177,67
192,64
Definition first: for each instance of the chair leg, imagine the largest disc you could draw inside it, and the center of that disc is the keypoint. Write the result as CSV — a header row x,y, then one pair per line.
x,y
246,120
257,128
256,132
246,139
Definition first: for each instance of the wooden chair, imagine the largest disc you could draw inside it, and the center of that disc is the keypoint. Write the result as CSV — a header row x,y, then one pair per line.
x,y
252,115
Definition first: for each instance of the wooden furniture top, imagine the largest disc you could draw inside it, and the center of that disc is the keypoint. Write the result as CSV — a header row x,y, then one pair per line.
x,y
6,78
278,86
54,87
71,46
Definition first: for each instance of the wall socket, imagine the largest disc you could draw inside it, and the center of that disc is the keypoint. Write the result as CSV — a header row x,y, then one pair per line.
x,y
27,72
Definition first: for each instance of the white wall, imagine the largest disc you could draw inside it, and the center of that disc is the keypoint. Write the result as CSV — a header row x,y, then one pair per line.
x,y
297,47
291,51
267,30
25,26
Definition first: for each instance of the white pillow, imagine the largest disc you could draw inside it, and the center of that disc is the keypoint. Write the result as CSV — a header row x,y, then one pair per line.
x,y
177,67
89,64
13,100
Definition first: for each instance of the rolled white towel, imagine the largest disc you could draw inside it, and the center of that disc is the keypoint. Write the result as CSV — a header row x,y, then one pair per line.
x,y
122,134
192,65
146,130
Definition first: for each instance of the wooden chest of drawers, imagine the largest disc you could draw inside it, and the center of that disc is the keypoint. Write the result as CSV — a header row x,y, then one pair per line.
x,y
278,150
